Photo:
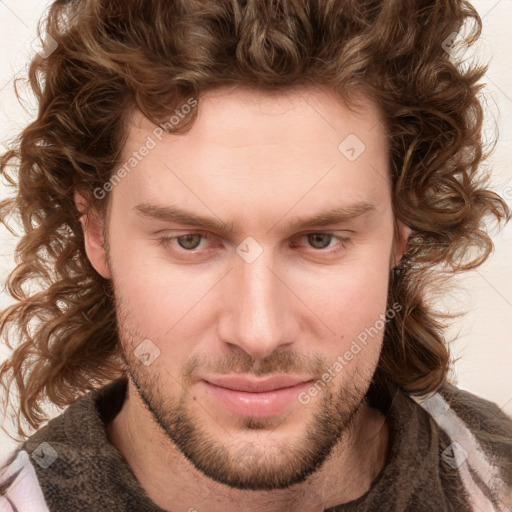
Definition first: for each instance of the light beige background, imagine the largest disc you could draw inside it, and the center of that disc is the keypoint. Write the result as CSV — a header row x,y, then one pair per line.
x,y
484,342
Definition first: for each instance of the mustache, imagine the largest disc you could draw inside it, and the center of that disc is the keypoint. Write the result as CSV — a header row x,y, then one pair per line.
x,y
281,362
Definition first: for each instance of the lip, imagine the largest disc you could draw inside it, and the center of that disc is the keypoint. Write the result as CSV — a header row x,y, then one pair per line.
x,y
255,384
256,397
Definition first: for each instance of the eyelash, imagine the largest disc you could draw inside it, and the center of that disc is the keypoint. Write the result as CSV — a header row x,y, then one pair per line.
x,y
166,241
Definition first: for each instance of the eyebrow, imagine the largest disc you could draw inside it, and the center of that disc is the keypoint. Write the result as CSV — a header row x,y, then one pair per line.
x,y
179,215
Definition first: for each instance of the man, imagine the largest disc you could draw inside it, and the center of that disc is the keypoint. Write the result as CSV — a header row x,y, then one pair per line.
x,y
255,199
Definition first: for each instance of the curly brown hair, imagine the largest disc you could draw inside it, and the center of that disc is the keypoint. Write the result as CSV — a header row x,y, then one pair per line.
x,y
114,56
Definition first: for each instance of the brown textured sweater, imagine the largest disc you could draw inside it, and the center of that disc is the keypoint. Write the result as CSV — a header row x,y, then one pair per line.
x,y
69,464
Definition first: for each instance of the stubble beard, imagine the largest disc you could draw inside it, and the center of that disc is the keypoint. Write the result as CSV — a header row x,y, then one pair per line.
x,y
249,465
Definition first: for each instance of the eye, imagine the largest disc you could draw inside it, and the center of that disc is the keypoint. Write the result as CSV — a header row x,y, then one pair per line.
x,y
187,242
318,240
322,241
191,242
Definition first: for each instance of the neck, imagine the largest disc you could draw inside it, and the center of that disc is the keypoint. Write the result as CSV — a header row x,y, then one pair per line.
x,y
173,483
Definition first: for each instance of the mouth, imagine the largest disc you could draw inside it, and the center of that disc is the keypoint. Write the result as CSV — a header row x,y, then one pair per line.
x,y
248,396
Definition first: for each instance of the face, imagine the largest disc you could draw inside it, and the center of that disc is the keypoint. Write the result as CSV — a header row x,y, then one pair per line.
x,y
253,339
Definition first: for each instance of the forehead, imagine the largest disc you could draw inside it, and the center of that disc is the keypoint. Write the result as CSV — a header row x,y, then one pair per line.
x,y
249,147
243,116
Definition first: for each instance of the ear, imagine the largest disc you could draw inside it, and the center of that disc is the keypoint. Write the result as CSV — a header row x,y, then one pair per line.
x,y
401,238
92,226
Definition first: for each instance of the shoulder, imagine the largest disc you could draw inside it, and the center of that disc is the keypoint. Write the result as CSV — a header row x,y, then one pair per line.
x,y
81,428
73,458
23,472
27,474
483,417
19,487
487,422
481,440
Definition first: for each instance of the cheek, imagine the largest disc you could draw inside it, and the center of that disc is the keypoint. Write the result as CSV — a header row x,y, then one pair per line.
x,y
161,303
353,301
153,308
362,324
154,294
348,297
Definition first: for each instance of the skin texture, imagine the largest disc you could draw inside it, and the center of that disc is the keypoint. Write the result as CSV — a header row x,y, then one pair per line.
x,y
255,162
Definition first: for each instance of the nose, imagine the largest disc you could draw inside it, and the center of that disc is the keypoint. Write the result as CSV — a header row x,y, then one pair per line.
x,y
257,314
